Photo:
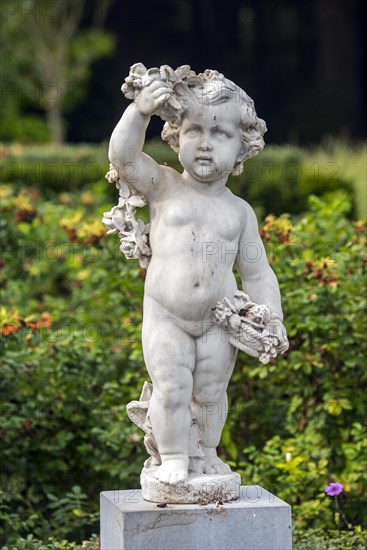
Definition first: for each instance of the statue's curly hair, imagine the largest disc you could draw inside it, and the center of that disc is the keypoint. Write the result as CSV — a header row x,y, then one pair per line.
x,y
214,89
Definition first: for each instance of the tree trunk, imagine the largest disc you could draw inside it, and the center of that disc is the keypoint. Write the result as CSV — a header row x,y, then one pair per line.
x,y
56,124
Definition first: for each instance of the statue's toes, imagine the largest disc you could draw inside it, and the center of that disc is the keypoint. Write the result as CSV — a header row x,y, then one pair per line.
x,y
216,467
170,476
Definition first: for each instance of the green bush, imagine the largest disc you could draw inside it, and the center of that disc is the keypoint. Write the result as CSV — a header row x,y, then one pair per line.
x,y
72,360
53,168
31,543
319,539
350,164
68,335
279,180
23,129
303,416
282,178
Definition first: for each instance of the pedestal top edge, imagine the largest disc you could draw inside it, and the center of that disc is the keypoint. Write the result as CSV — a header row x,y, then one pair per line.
x,y
131,500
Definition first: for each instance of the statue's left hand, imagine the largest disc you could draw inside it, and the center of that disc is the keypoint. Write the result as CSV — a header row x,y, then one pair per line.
x,y
277,329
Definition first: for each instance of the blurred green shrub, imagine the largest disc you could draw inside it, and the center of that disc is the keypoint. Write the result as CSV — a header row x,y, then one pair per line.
x,y
22,128
31,543
53,168
72,360
350,161
282,178
319,539
303,416
279,180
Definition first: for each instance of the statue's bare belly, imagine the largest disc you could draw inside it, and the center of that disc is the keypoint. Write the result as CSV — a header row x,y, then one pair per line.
x,y
193,252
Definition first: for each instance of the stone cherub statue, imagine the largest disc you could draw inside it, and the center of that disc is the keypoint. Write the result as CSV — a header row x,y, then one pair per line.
x,y
194,317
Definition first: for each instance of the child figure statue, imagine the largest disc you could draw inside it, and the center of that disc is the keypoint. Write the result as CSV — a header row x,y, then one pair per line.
x,y
194,317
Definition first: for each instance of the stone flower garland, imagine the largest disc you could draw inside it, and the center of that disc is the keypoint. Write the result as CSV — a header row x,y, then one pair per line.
x,y
133,233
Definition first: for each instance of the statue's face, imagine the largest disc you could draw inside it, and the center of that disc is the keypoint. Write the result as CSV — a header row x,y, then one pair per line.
x,y
210,141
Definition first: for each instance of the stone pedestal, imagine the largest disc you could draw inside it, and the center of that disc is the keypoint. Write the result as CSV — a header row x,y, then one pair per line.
x,y
257,521
197,489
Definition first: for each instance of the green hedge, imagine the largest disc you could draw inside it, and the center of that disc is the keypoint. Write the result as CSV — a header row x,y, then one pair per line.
x,y
303,417
53,168
279,180
318,539
72,359
32,543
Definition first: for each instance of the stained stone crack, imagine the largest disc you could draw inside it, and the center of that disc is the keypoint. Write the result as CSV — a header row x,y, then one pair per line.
x,y
119,524
172,522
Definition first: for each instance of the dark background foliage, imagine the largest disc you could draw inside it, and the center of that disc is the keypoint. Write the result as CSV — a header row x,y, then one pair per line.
x,y
301,61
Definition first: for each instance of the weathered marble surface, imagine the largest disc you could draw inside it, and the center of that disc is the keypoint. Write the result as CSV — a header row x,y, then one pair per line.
x,y
257,521
195,319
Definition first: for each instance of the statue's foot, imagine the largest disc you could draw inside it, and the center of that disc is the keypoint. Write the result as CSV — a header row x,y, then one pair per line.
x,y
173,470
214,465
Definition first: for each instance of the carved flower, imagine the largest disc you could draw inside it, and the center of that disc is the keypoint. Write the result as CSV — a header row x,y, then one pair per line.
x,y
138,69
138,235
169,74
115,220
134,241
209,74
135,201
119,218
222,313
130,249
179,80
258,314
133,82
152,74
124,188
112,175
107,221
187,76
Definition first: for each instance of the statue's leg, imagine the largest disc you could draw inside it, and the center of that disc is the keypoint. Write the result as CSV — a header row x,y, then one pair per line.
x,y
169,355
215,361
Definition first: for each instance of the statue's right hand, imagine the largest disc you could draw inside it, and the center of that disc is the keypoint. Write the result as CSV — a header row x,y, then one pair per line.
x,y
152,96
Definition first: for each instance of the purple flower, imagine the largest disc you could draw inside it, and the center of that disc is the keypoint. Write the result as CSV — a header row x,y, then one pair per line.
x,y
334,489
